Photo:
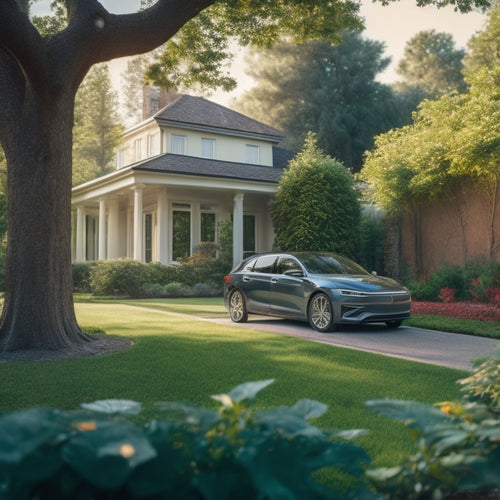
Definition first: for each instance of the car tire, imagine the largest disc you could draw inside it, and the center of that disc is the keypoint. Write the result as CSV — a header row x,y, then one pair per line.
x,y
237,307
320,313
393,323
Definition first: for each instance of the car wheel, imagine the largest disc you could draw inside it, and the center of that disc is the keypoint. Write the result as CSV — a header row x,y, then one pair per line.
x,y
321,313
393,323
237,308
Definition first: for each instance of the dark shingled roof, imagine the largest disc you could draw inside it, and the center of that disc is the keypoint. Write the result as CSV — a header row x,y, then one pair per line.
x,y
190,165
189,110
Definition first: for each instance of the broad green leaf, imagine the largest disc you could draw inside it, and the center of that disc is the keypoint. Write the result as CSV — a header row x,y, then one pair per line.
x,y
413,414
309,408
247,390
106,456
196,415
384,473
114,407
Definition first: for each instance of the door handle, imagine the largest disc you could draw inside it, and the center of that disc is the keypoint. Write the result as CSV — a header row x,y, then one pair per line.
x,y
274,280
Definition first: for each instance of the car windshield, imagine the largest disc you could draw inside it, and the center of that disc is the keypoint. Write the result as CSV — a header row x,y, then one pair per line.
x,y
330,264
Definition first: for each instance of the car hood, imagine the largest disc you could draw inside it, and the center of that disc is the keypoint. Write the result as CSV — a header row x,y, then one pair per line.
x,y
363,283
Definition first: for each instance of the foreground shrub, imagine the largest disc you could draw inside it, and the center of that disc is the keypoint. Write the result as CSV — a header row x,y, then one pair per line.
x,y
458,443
196,453
120,277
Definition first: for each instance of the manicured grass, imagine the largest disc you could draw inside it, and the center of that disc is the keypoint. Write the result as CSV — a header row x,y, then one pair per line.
x,y
174,359
456,325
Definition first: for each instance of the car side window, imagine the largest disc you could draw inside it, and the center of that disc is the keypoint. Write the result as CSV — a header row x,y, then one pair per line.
x,y
287,264
265,264
248,266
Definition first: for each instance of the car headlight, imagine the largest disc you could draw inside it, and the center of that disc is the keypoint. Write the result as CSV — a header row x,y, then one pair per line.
x,y
352,293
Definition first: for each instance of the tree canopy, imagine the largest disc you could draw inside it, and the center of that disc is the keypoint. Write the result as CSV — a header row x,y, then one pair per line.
x,y
451,139
330,90
431,65
316,207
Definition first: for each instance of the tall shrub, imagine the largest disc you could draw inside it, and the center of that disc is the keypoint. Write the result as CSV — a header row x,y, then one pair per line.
x,y
317,207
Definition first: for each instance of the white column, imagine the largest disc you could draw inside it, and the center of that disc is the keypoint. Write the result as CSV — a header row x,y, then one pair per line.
x,y
80,234
138,223
113,229
162,226
102,229
238,228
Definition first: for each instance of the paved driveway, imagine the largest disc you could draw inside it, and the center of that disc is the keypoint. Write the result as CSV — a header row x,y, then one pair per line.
x,y
417,344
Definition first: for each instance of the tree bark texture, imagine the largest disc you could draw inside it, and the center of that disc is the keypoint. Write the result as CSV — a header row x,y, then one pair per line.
x,y
38,82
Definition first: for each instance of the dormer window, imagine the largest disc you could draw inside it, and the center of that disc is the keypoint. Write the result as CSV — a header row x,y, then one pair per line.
x,y
208,148
252,154
178,144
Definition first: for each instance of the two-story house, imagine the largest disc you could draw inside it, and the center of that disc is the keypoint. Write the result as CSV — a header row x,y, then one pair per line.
x,y
179,174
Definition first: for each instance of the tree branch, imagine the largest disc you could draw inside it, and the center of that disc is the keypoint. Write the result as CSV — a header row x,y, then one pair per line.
x,y
20,38
94,35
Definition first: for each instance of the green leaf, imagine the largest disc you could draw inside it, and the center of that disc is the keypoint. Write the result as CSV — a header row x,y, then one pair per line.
x,y
384,473
196,415
106,456
413,414
248,390
309,408
29,443
114,407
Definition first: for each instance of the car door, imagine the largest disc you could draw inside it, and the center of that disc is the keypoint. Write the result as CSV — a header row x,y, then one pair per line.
x,y
257,284
288,289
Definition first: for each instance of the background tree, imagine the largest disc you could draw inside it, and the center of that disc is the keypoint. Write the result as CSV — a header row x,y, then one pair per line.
x,y
133,81
97,130
316,207
330,90
39,77
431,65
453,142
484,47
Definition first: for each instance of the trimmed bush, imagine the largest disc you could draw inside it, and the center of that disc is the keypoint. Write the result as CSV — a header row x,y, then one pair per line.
x,y
120,277
82,272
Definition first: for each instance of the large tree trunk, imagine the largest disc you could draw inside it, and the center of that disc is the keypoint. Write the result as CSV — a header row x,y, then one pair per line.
x,y
38,310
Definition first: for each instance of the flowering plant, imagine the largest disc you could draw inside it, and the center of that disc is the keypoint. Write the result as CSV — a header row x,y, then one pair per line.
x,y
447,295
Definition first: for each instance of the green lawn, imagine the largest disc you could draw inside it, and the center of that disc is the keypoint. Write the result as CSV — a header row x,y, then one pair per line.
x,y
179,359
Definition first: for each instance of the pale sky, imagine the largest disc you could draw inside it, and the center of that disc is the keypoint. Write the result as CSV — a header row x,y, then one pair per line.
x,y
394,25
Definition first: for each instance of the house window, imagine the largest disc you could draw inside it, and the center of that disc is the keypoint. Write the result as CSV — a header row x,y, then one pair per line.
x,y
252,154
152,145
249,233
208,223
138,149
178,144
181,230
208,148
120,158
148,237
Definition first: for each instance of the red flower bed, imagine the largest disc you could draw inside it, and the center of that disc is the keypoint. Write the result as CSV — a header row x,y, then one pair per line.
x,y
460,310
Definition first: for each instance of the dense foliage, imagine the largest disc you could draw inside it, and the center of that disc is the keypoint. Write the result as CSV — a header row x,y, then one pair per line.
x,y
431,65
192,452
477,281
328,89
317,206
453,142
458,443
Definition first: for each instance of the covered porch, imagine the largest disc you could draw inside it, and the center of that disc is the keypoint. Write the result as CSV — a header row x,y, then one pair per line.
x,y
161,217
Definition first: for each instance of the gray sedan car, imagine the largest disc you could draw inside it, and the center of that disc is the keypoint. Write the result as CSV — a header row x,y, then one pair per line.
x,y
322,288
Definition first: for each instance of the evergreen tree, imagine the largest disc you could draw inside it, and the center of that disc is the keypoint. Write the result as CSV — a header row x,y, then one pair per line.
x,y
317,207
330,90
97,129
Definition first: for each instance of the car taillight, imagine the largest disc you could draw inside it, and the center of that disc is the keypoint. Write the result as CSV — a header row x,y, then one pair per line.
x,y
228,279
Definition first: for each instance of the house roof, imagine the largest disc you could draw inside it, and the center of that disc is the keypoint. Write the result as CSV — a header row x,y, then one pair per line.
x,y
187,111
189,165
